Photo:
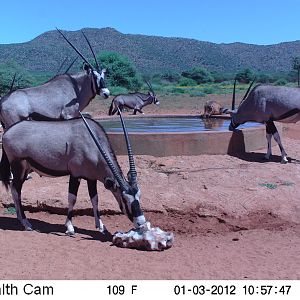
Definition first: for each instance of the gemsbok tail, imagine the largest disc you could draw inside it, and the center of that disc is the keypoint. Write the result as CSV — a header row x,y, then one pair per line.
x,y
5,169
111,108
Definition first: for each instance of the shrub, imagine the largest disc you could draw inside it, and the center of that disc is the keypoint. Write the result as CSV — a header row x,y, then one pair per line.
x,y
187,82
245,76
7,72
200,75
281,81
120,71
116,90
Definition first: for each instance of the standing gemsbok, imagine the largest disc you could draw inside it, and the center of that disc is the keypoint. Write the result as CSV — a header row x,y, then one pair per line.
x,y
58,148
135,101
266,104
58,99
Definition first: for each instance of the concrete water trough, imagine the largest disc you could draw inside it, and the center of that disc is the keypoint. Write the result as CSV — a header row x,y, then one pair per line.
x,y
183,135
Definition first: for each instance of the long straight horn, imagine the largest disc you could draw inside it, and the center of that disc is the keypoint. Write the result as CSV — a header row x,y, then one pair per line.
x,y
13,82
72,63
233,95
150,86
91,48
78,52
249,88
61,65
132,170
105,156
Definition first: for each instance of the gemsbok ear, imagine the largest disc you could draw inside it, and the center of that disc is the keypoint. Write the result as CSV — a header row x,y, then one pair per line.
x,y
87,68
109,183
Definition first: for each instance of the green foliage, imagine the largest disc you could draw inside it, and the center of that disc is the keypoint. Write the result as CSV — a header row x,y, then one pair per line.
x,y
187,82
10,211
245,76
7,71
281,81
196,93
200,75
120,71
116,90
264,78
296,63
170,76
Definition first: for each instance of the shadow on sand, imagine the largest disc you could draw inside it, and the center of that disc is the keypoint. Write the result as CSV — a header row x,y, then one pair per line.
x,y
8,223
236,148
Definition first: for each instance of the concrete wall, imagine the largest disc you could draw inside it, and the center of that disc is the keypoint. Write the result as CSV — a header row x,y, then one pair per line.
x,y
208,142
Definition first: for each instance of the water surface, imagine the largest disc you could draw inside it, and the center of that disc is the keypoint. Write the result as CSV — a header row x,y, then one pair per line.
x,y
170,124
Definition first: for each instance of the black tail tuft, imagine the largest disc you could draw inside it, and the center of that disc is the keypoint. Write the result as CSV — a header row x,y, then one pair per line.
x,y
111,108
5,169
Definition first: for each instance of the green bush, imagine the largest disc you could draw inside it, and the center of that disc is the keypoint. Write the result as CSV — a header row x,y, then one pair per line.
x,y
209,90
281,81
116,90
196,93
120,71
7,71
245,76
187,82
200,75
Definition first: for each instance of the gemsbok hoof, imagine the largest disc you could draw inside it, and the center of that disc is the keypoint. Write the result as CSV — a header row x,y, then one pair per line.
x,y
70,233
27,225
284,161
103,230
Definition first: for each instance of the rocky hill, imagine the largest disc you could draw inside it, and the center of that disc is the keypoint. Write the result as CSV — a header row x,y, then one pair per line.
x,y
152,53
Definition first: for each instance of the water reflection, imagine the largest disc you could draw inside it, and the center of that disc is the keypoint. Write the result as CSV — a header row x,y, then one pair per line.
x,y
170,124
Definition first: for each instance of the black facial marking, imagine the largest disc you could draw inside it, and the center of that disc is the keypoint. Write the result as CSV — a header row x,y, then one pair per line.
x,y
136,209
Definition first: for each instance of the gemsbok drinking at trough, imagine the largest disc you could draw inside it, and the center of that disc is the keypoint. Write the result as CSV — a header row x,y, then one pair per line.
x,y
211,108
266,104
59,148
135,101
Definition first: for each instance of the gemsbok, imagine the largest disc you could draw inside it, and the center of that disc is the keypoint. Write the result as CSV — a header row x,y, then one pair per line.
x,y
266,104
135,101
79,148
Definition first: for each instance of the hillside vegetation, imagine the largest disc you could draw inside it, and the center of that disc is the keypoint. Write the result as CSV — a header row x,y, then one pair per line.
x,y
152,54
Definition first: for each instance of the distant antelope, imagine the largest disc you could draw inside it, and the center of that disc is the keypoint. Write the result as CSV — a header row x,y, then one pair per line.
x,y
58,148
212,108
135,101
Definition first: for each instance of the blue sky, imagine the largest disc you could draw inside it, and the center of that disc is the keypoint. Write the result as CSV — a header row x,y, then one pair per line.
x,y
255,22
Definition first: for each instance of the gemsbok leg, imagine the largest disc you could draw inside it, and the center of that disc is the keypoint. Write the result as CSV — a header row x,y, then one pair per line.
x,y
272,131
72,196
19,172
92,186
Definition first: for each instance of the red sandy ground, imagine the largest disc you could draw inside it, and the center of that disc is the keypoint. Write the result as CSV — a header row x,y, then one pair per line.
x,y
228,223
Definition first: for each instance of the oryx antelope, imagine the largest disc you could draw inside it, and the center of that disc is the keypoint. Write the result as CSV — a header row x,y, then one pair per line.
x,y
135,101
266,104
60,98
58,148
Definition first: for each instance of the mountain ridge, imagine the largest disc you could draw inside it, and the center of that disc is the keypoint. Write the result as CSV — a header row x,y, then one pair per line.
x,y
152,54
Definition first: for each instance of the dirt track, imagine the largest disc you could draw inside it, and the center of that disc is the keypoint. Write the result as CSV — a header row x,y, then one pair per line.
x,y
233,218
